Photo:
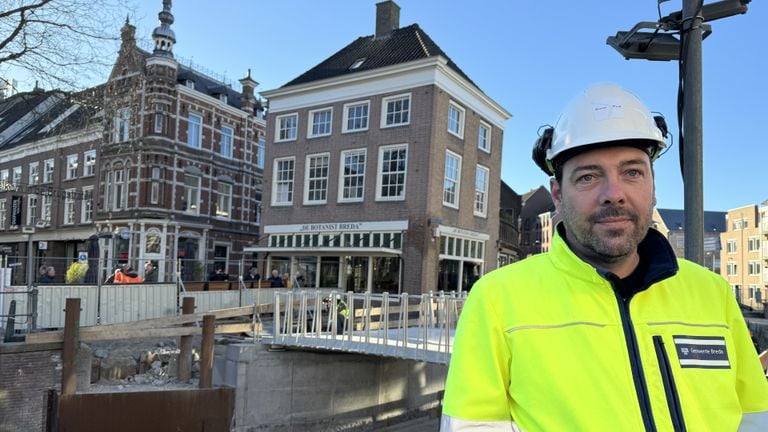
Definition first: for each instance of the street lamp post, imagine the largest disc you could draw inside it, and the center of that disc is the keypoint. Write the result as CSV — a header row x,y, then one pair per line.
x,y
661,45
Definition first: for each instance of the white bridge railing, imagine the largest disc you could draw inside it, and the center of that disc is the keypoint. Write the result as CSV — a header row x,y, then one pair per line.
x,y
416,327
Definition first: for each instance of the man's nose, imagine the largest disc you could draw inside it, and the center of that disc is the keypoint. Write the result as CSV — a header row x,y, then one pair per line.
x,y
612,190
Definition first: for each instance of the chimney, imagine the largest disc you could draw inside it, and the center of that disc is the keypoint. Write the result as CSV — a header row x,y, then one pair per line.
x,y
387,18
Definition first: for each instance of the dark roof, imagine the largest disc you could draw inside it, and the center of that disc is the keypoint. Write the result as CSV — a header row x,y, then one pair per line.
x,y
203,83
714,221
508,196
28,117
401,46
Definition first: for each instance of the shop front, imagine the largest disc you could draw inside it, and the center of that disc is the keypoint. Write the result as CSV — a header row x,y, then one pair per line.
x,y
348,256
461,259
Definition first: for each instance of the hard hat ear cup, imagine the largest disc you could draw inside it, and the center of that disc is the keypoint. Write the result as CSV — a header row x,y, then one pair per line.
x,y
661,123
540,147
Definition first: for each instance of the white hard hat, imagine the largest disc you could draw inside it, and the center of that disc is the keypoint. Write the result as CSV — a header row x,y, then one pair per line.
x,y
602,114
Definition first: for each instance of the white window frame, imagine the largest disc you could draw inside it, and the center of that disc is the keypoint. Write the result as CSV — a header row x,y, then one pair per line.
x,y
47,202
366,119
159,120
454,107
48,168
286,181
452,178
16,179
385,110
484,139
3,213
71,167
315,183
194,130
154,192
481,194
283,130
86,206
122,125
31,209
119,188
753,244
380,173
312,123
69,207
261,144
343,175
4,177
224,200
89,164
34,173
227,141
192,193
753,268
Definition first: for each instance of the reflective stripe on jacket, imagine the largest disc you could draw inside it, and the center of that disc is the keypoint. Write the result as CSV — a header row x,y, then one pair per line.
x,y
546,344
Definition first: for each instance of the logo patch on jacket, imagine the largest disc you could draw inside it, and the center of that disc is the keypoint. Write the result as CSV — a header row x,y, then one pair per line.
x,y
708,352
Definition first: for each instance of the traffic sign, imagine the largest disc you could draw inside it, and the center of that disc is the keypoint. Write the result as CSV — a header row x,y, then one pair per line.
x,y
82,256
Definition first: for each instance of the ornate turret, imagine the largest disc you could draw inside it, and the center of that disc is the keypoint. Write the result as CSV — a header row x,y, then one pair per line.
x,y
163,35
247,99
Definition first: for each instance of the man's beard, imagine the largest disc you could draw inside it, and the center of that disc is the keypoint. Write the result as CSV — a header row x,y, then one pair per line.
x,y
612,245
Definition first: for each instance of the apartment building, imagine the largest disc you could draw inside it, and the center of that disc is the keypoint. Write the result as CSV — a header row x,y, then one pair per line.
x,y
745,253
161,162
384,168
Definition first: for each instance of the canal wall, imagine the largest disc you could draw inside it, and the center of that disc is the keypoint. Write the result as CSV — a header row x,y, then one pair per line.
x,y
298,391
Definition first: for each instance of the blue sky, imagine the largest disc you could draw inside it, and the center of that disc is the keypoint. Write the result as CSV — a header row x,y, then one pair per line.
x,y
529,56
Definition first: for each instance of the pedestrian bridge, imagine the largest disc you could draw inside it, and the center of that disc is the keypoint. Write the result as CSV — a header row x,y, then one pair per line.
x,y
414,327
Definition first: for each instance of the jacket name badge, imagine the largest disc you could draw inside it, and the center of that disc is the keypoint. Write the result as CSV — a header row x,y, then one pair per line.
x,y
707,352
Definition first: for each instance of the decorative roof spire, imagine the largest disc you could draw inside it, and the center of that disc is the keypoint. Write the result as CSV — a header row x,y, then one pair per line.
x,y
163,35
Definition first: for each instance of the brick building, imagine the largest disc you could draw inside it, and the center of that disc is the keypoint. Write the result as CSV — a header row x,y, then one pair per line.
x,y
384,168
744,255
162,162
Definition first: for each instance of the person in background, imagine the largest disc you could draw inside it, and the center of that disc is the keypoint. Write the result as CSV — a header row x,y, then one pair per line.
x,y
218,275
150,272
42,271
608,330
252,275
127,275
49,276
276,281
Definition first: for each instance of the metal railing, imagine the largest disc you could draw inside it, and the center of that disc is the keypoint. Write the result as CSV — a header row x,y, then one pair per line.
x,y
416,327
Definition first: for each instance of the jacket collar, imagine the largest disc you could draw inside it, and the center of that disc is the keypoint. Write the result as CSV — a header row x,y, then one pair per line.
x,y
653,249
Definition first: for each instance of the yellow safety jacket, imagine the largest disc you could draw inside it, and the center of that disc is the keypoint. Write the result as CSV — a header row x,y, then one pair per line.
x,y
548,344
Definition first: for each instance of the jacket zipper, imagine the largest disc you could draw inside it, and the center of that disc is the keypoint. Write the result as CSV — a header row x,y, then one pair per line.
x,y
673,399
634,360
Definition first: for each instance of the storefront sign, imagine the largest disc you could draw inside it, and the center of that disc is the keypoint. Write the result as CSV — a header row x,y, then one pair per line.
x,y
460,232
338,227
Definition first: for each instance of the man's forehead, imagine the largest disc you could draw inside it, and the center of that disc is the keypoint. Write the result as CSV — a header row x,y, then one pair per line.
x,y
617,155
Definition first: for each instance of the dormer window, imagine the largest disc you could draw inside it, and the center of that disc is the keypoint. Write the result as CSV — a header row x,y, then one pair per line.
x,y
223,98
357,63
189,84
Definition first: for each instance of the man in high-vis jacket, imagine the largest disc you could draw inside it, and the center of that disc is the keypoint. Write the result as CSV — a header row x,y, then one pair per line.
x,y
608,331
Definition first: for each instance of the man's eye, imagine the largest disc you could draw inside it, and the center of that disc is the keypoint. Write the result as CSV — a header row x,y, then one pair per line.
x,y
585,178
633,173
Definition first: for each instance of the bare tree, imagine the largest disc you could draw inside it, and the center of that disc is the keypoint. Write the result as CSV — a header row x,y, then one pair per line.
x,y
66,44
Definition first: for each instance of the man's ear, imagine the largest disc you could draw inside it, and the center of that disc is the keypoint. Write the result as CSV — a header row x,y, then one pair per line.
x,y
556,192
